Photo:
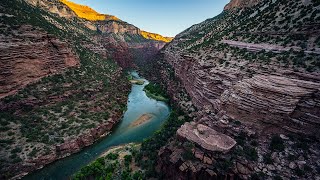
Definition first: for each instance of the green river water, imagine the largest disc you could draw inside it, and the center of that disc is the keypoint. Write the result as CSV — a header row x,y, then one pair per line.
x,y
138,104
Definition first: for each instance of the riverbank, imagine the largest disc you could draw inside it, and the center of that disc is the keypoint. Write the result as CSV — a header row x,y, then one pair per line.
x,y
156,97
156,92
138,104
115,163
69,148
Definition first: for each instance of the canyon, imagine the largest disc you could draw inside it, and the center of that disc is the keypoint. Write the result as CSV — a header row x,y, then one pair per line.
x,y
63,81
244,87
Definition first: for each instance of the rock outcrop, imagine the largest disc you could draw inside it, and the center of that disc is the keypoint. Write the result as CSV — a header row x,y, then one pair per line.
x,y
206,137
288,103
29,54
112,24
232,83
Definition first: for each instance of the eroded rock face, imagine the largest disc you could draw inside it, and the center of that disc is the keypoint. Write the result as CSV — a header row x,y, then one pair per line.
x,y
206,137
30,54
173,164
287,99
226,85
87,139
243,86
53,6
275,100
117,27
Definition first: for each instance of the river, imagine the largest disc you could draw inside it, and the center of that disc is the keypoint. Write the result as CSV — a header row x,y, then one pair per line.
x,y
138,104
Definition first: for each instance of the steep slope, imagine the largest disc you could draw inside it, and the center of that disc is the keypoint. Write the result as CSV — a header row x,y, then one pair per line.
x,y
252,73
29,54
61,84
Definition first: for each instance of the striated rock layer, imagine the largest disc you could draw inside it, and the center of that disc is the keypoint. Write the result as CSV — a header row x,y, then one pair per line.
x,y
290,102
206,137
256,84
30,54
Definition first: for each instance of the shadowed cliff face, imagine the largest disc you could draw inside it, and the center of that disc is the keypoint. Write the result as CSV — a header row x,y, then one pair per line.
x,y
252,74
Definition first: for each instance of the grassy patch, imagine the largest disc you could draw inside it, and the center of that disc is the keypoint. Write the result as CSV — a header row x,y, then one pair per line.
x,y
155,91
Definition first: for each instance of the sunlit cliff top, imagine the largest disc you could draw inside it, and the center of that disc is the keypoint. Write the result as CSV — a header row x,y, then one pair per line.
x,y
86,12
90,14
154,36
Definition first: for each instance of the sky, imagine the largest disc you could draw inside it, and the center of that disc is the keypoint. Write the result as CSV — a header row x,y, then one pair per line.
x,y
165,17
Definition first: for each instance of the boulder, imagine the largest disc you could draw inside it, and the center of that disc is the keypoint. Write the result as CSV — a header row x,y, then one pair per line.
x,y
206,137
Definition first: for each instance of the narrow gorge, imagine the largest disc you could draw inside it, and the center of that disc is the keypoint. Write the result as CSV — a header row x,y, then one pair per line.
x,y
243,89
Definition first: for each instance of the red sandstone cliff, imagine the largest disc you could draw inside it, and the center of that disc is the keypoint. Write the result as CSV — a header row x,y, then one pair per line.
x,y
249,83
28,54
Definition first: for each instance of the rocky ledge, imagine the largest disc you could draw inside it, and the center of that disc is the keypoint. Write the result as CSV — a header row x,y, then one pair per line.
x,y
206,137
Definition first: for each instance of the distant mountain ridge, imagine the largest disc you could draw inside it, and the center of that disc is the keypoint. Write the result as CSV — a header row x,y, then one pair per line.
x,y
90,14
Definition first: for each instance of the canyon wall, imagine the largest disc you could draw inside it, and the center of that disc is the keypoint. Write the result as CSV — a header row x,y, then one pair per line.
x,y
28,54
63,83
250,95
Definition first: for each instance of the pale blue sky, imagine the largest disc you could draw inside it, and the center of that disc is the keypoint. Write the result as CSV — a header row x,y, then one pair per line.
x,y
166,17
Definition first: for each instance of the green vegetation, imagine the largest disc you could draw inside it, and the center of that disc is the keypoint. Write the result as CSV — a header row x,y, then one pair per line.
x,y
276,144
188,154
267,158
155,91
98,169
151,146
112,166
112,156
145,157
282,23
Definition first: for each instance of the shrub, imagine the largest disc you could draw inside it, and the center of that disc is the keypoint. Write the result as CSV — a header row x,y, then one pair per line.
x,y
16,150
127,159
112,156
267,159
251,153
276,144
